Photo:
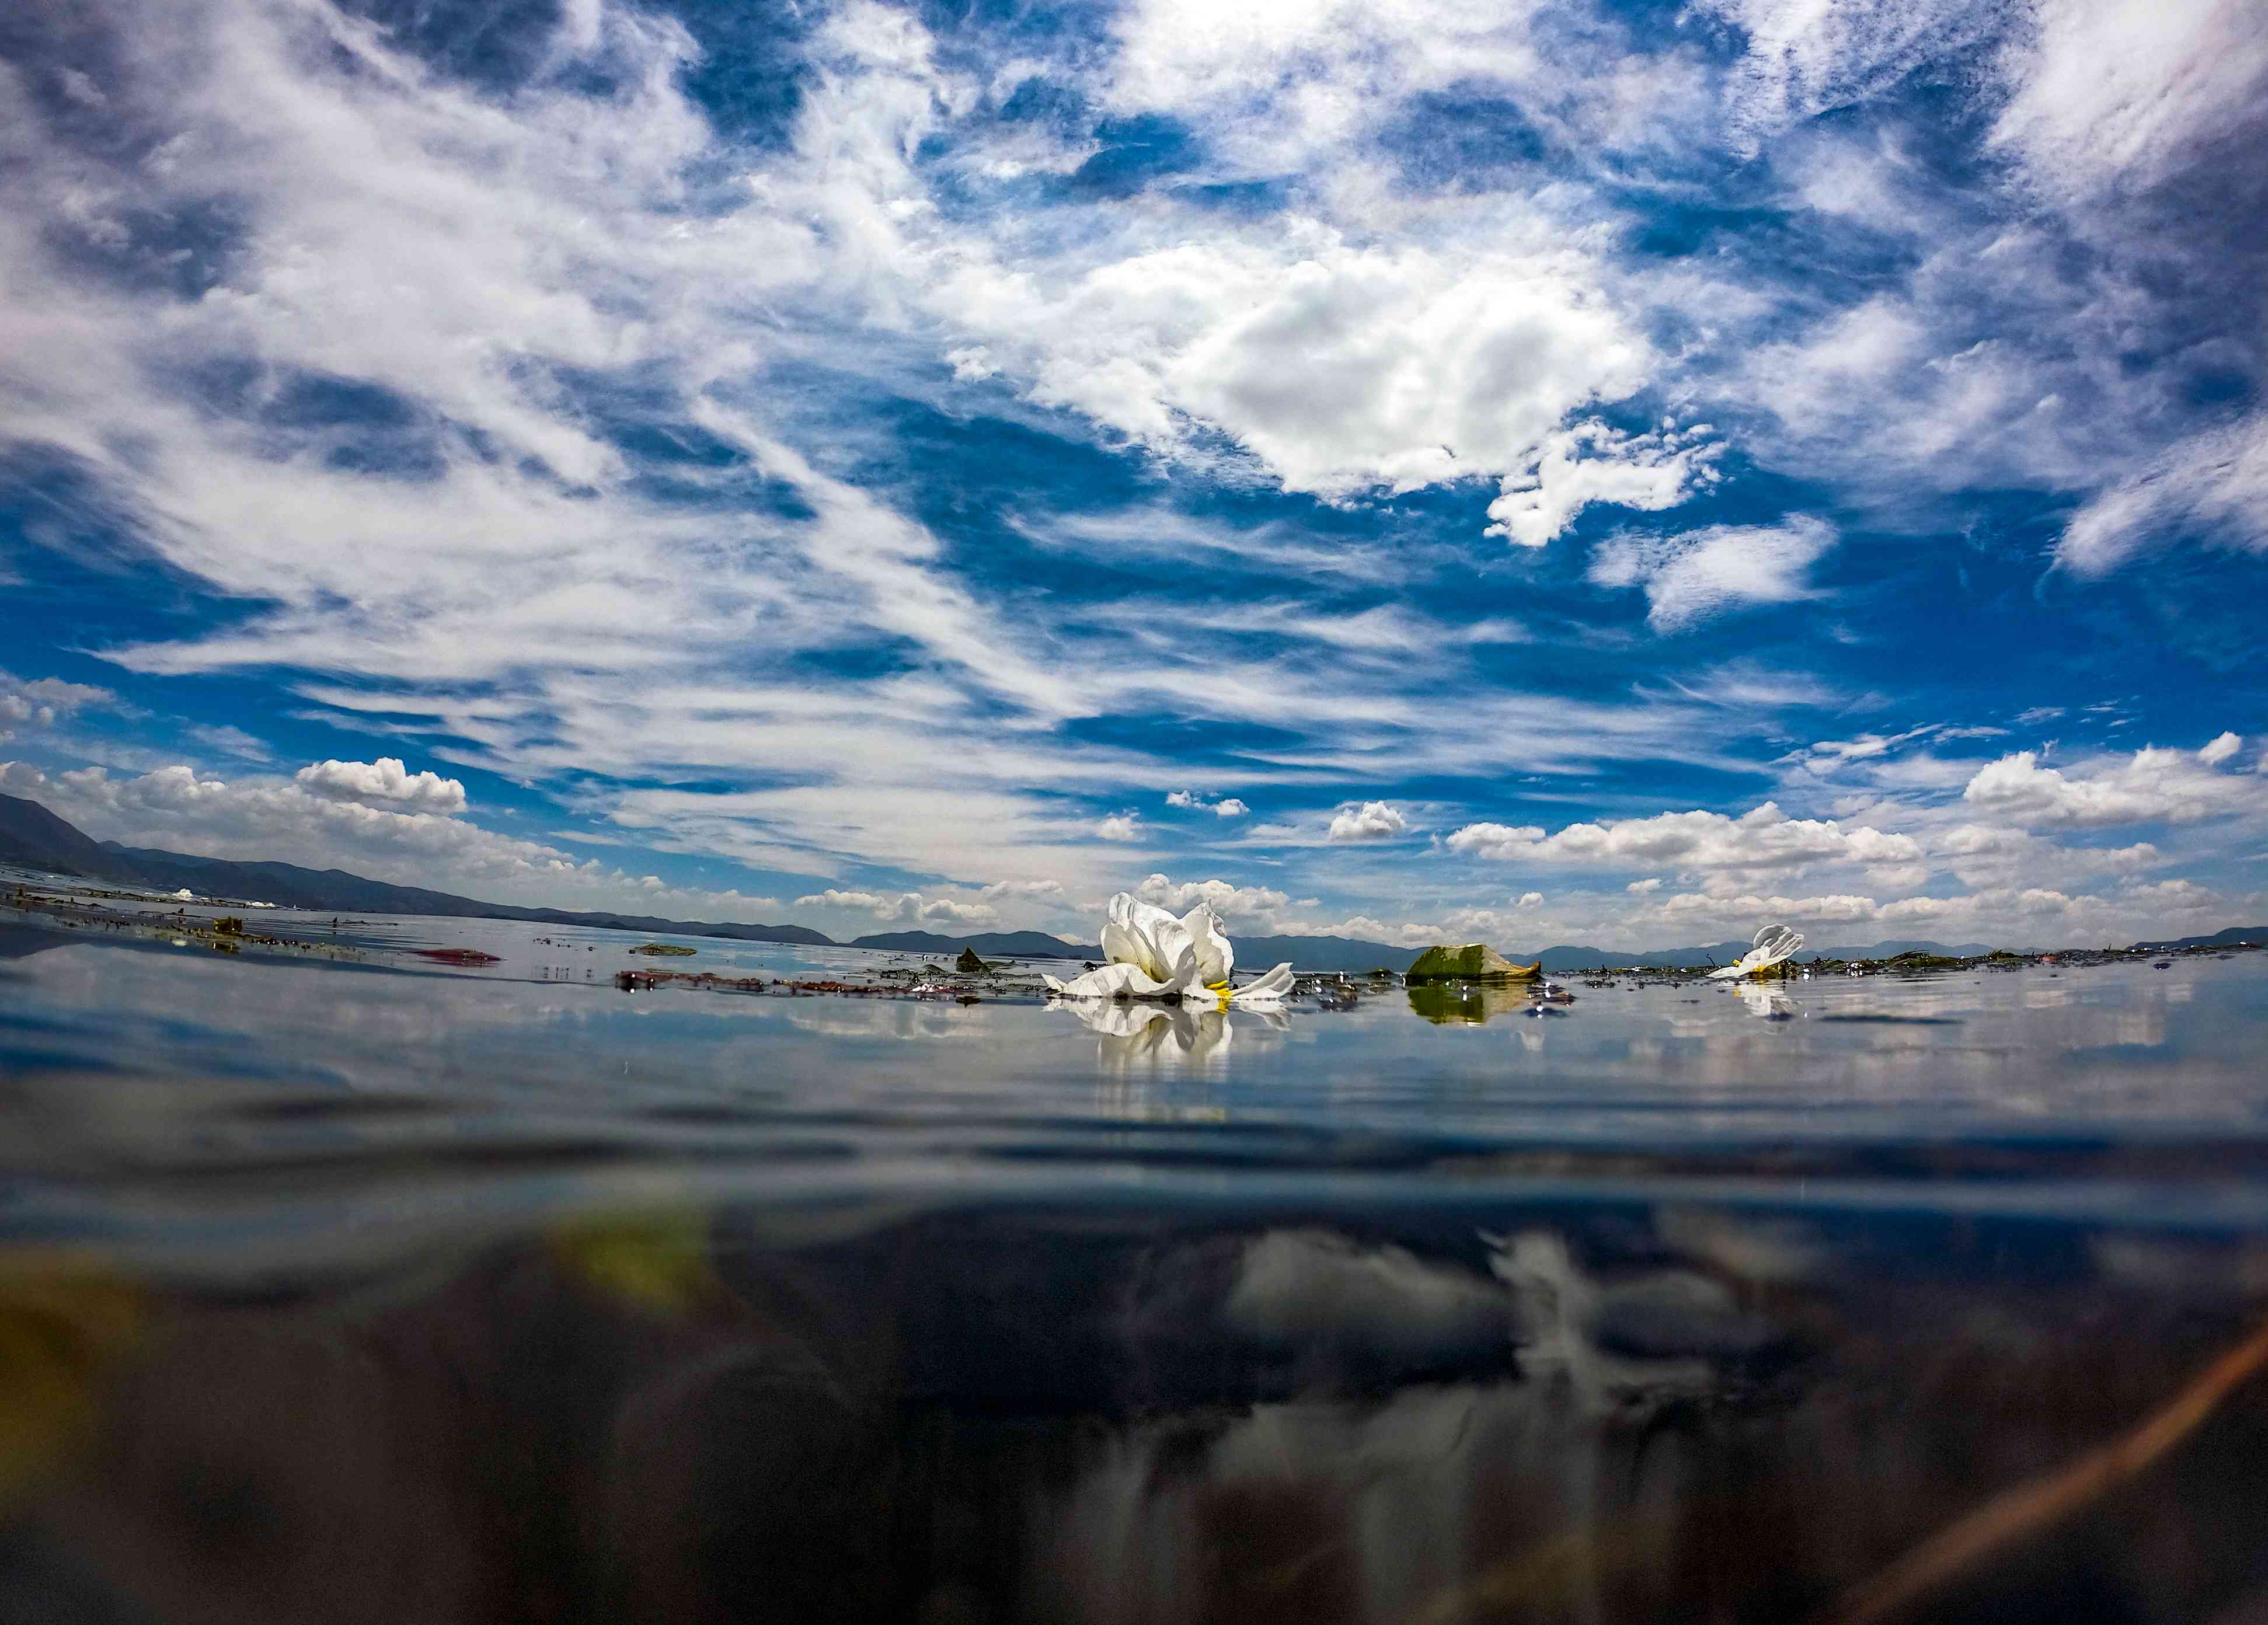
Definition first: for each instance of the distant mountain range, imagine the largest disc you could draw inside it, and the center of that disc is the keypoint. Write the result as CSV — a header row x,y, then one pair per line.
x,y
2228,938
32,837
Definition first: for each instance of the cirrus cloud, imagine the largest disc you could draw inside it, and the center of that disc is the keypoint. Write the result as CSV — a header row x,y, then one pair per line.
x,y
1692,576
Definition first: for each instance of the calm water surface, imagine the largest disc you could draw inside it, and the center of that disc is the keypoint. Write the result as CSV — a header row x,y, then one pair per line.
x,y
370,1291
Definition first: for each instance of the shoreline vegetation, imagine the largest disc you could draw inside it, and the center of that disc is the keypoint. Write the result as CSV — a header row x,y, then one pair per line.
x,y
972,979
33,838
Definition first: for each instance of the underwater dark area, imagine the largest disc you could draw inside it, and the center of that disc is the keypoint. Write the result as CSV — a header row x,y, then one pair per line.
x,y
353,1288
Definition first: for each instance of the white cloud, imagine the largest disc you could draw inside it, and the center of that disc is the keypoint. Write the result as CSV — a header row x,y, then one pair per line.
x,y
1805,59
1120,827
1531,900
1367,927
2213,487
1241,907
1694,842
41,701
2118,93
1705,572
1373,821
833,898
936,909
2141,854
2221,747
1650,472
1842,908
1828,752
82,88
1227,806
1645,888
2178,896
1897,877
2152,784
1341,365
902,907
386,781
233,744
1498,841
1051,890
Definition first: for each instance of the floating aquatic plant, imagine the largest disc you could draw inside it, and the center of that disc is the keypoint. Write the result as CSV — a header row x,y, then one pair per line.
x,y
1153,955
1769,947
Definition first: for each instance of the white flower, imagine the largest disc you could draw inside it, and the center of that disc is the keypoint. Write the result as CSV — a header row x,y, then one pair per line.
x,y
1772,944
1155,956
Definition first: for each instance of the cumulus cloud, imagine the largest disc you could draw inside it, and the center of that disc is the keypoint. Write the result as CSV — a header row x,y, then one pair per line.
x,y
1368,928
1763,838
41,701
1593,463
1239,905
902,907
1372,820
1531,900
2176,895
387,782
1049,890
1842,908
1699,574
834,898
1227,806
1120,827
2013,915
2152,784
1342,367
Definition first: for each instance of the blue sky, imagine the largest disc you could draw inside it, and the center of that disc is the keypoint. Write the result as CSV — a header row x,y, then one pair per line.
x,y
1552,472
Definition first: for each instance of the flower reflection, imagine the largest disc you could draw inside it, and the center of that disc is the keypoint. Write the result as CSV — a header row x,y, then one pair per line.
x,y
1130,1034
1771,1004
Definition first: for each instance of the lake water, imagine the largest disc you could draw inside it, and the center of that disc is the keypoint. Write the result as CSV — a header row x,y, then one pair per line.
x,y
337,1286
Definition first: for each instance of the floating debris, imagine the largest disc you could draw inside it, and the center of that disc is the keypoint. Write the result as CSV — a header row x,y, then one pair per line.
x,y
458,956
665,949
